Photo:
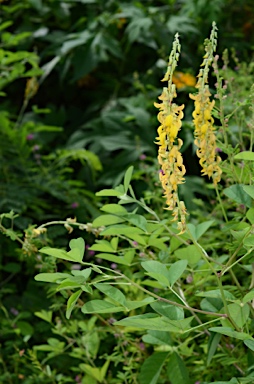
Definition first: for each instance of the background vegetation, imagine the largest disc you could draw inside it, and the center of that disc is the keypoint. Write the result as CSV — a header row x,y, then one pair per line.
x,y
78,80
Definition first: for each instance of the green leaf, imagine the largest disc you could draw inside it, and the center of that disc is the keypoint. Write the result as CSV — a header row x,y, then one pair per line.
x,y
109,192
157,338
249,189
127,178
51,277
85,273
177,371
61,254
227,331
105,220
25,328
216,293
238,194
137,220
121,229
101,306
198,230
113,258
112,292
239,313
78,244
250,215
154,322
44,315
129,255
189,253
213,342
168,310
115,209
249,343
151,369
248,242
176,270
245,155
102,246
248,297
138,304
72,302
157,270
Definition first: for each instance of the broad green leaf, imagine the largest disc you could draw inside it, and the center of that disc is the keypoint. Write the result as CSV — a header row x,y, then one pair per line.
x,y
138,304
239,313
105,220
157,338
238,194
227,331
75,255
177,371
114,243
154,322
213,342
216,293
248,242
160,278
151,368
158,242
60,254
101,306
85,273
155,266
114,209
250,215
72,302
112,292
176,270
190,253
137,220
248,297
170,311
44,315
129,255
127,178
245,155
249,189
198,230
121,229
51,277
102,246
249,343
78,244
25,328
113,258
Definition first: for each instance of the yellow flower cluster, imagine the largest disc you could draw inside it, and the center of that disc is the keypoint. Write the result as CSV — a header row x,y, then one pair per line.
x,y
169,156
182,80
205,138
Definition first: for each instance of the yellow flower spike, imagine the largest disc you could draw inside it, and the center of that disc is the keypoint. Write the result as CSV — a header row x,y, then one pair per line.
x,y
205,138
169,156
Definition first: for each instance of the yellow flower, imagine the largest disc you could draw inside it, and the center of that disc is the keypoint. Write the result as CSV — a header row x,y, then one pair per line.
x,y
182,80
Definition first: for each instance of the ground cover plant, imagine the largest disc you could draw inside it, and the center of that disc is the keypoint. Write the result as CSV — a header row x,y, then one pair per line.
x,y
161,295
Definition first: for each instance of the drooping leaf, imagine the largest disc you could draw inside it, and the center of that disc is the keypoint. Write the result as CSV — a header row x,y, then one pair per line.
x,y
151,368
177,371
72,302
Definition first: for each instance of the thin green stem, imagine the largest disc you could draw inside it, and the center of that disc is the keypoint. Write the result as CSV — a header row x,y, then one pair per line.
x,y
221,204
